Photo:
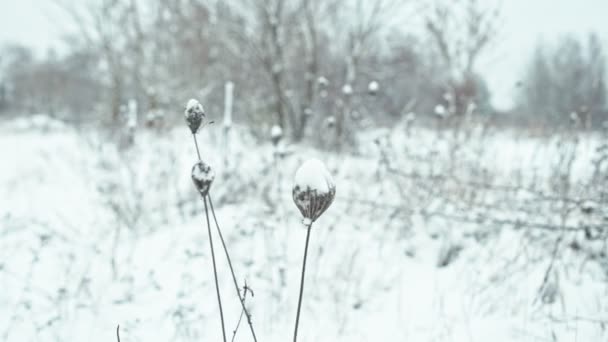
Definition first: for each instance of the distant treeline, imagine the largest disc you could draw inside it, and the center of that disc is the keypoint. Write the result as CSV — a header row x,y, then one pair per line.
x,y
298,64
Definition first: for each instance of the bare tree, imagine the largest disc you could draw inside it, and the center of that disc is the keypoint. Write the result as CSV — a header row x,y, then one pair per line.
x,y
361,38
102,26
461,32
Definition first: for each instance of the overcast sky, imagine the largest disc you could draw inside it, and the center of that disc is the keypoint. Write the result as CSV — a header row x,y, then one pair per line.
x,y
39,23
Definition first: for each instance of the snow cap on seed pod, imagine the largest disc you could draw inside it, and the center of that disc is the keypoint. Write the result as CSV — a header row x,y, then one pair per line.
x,y
373,87
347,90
314,190
574,118
202,176
194,114
276,133
440,111
323,82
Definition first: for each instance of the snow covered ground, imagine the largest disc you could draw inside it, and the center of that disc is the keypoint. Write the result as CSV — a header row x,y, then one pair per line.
x,y
415,247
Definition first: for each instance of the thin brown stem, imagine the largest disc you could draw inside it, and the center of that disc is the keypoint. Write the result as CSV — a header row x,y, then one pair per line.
x,y
295,332
236,285
198,152
238,324
217,286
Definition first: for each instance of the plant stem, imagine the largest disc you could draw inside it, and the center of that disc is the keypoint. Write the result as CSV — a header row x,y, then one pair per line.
x,y
198,153
217,286
238,324
295,332
236,285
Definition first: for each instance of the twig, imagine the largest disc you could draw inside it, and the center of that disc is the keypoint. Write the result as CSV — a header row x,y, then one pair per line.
x,y
118,333
295,332
236,285
217,286
551,265
238,324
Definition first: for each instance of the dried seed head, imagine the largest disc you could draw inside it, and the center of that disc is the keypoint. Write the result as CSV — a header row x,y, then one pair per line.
x,y
347,90
574,118
373,87
202,176
314,189
276,133
194,114
440,111
323,82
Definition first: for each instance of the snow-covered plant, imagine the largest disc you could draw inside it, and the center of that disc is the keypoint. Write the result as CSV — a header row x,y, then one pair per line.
x,y
323,82
373,87
276,133
194,115
440,111
313,192
203,176
347,90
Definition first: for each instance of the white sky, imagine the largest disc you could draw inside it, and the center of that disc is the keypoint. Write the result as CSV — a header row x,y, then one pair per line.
x,y
39,23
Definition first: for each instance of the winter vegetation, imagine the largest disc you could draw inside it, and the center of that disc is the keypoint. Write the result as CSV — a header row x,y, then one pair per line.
x,y
306,170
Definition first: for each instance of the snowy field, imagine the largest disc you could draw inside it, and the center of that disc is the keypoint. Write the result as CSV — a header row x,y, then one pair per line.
x,y
466,236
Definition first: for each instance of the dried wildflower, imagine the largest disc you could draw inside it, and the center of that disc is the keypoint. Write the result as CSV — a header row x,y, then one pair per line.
x,y
440,111
194,114
347,90
276,133
322,82
314,190
373,87
202,176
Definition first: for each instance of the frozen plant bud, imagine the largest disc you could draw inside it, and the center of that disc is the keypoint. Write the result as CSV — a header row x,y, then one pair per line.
x,y
330,121
372,88
440,111
347,90
194,114
323,82
574,118
314,190
276,133
202,176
